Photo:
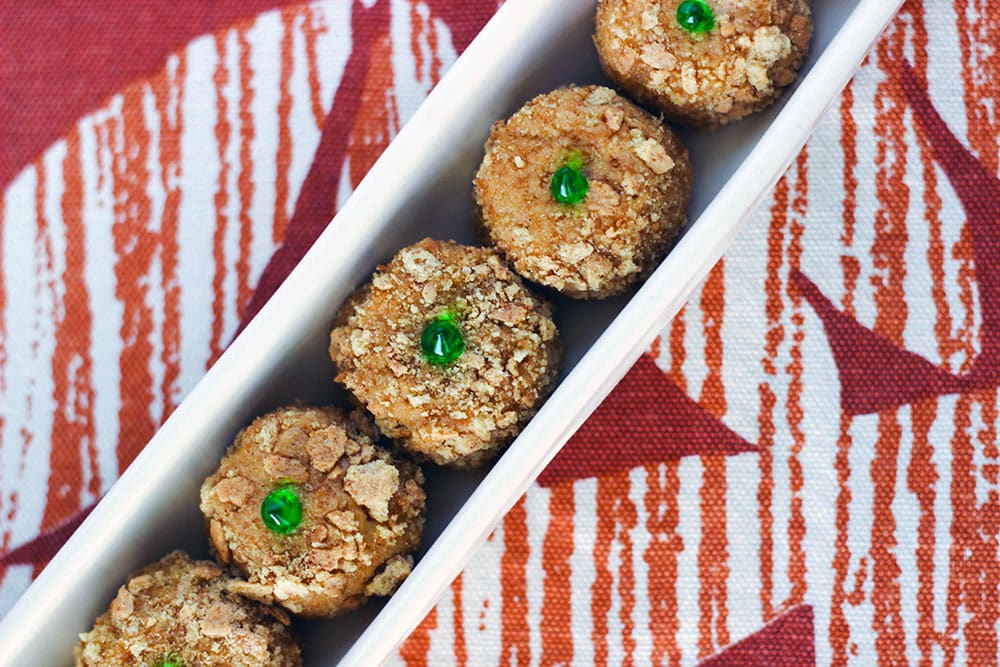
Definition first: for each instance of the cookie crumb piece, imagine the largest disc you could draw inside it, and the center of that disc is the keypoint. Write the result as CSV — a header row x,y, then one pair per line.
x,y
325,447
234,490
391,576
372,485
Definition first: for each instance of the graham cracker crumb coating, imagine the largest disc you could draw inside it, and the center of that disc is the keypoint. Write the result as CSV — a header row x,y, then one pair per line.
x,y
362,510
639,185
461,414
187,611
708,79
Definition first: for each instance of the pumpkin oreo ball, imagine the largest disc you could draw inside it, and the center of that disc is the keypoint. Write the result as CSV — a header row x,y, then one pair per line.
x,y
313,512
703,62
180,612
448,350
583,191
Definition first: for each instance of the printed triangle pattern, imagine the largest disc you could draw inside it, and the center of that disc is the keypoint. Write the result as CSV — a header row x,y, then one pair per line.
x,y
649,419
787,641
873,371
876,374
43,547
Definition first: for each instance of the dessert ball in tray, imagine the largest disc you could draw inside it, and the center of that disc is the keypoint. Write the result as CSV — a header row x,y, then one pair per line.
x,y
583,191
313,512
184,612
448,349
703,62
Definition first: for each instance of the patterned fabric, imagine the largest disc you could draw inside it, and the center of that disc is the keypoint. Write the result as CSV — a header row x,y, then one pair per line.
x,y
806,466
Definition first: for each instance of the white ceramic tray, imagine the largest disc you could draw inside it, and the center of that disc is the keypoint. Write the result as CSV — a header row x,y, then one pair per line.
x,y
421,187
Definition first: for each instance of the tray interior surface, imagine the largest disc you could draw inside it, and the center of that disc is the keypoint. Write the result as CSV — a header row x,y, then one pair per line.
x,y
444,211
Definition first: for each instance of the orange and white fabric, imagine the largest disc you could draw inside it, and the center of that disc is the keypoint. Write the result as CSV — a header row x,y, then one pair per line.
x,y
807,468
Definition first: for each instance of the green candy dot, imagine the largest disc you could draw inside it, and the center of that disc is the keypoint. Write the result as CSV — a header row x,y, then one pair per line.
x,y
695,16
281,510
169,662
569,185
442,341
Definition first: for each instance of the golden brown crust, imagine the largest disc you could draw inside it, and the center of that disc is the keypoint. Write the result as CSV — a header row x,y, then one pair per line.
x,y
187,610
461,414
639,180
708,79
362,510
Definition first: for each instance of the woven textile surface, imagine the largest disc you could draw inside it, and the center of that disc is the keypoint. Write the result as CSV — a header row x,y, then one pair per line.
x,y
807,467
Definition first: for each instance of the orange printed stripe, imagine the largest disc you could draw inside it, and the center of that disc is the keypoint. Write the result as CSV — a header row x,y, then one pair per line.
x,y
663,516
311,27
963,529
245,182
417,646
678,354
946,345
416,32
557,550
223,129
432,46
73,426
627,520
63,484
421,29
283,158
135,245
887,252
839,632
654,348
713,307
377,119
774,307
979,76
600,590
921,473
169,97
458,623
793,403
713,551
616,516
514,634
849,149
665,543
981,632
713,559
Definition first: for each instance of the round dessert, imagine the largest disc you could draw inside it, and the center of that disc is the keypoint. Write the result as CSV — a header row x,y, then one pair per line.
x,y
583,191
448,350
184,612
703,62
315,514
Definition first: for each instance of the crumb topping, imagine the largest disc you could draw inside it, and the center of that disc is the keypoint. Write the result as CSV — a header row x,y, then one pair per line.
x,y
373,485
462,413
189,611
361,506
639,181
704,79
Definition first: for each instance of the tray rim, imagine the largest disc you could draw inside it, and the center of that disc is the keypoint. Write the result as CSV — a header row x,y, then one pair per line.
x,y
639,321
